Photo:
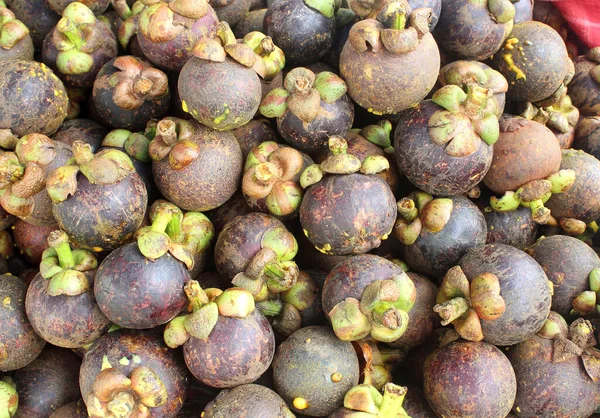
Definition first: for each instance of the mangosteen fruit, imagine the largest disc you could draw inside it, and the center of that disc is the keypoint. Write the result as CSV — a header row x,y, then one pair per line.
x,y
523,10
231,11
80,129
368,295
587,135
84,195
366,401
226,341
195,167
438,232
19,344
247,401
584,89
31,240
132,373
75,409
516,227
37,16
310,108
391,61
252,21
485,297
16,44
313,370
96,6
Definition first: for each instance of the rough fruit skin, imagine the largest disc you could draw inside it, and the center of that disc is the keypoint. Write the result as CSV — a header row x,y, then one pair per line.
x,y
37,15
516,227
583,89
334,222
247,401
546,389
237,351
304,365
75,409
469,380
523,285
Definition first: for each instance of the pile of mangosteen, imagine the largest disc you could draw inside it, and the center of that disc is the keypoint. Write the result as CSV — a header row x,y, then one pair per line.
x,y
298,208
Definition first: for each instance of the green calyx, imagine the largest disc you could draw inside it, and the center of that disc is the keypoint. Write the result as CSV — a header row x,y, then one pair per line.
x,y
12,31
133,143
503,11
420,210
367,400
163,21
173,138
271,54
534,194
379,135
586,303
9,398
302,294
560,115
381,313
64,267
326,7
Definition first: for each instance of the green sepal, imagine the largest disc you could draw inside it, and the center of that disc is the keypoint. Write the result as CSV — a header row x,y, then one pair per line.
x,y
450,97
330,86
325,7
274,105
74,62
201,322
62,183
68,282
506,203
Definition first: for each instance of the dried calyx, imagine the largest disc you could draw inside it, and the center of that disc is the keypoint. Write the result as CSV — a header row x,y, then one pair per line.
x,y
571,341
381,312
420,210
369,402
130,16
135,144
182,235
76,36
327,8
108,166
8,140
465,304
340,162
271,54
173,138
64,267
205,307
272,173
116,395
12,31
302,93
377,362
224,44
302,295
561,116
163,21
588,302
534,194
136,82
22,173
378,134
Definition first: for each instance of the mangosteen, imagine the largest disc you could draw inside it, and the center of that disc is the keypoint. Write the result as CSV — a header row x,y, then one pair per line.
x,y
485,297
587,135
85,130
416,405
271,181
16,43
469,379
226,341
584,89
169,30
78,46
247,401
195,167
390,61
254,133
329,215
96,6
556,371
24,175
156,266
19,344
47,383
516,227
437,233
75,409
31,240
303,29
37,16
132,373
128,92
526,167
35,100
434,5
534,60
310,108
444,145
252,21
366,401
9,398
230,11
84,193
368,295
313,370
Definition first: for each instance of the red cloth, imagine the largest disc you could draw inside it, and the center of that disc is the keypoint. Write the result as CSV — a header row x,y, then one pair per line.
x,y
583,17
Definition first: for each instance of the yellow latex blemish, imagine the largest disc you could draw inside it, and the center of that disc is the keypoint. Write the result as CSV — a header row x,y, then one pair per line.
x,y
124,361
6,302
220,118
184,106
105,363
510,43
300,403
512,67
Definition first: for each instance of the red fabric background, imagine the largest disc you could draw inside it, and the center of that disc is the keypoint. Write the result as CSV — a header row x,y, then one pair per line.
x,y
583,17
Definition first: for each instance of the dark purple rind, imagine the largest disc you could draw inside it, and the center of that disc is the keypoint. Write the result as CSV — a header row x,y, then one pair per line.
x,y
516,227
247,401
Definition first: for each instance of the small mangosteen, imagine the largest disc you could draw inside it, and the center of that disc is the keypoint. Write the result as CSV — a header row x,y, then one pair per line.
x,y
85,130
313,370
75,409
329,215
91,185
9,398
231,11
131,373
38,100
247,401
37,16
485,298
556,370
584,89
469,379
16,43
226,341
128,92
303,29
366,401
310,108
156,266
254,133
195,167
368,295
437,233
444,146
533,73
47,383
378,60
271,181
78,46
19,344
516,227
24,175
167,31
60,301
